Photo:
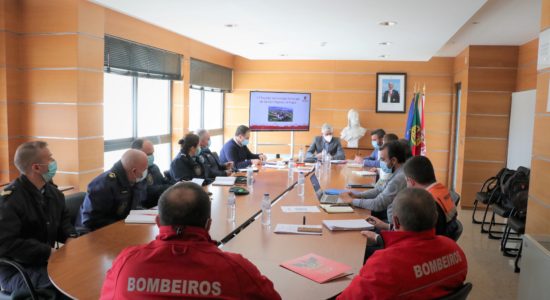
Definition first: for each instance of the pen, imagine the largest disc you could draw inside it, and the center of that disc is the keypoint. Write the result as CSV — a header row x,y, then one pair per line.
x,y
304,221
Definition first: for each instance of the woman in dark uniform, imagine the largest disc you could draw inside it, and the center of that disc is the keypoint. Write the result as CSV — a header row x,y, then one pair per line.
x,y
187,164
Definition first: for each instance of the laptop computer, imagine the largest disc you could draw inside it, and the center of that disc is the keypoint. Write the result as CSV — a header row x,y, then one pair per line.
x,y
321,195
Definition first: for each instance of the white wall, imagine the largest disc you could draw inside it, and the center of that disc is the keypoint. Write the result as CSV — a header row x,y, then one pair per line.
x,y
522,122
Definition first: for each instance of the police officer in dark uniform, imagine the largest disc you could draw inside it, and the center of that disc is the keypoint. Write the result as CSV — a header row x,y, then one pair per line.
x,y
188,164
211,159
156,182
33,217
114,193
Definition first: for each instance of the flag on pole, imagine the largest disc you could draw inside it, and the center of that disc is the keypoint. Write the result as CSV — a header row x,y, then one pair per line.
x,y
415,132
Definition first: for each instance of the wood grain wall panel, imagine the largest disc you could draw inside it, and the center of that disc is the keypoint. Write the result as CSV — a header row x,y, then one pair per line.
x,y
90,120
39,120
479,172
437,103
527,66
49,86
489,103
545,15
90,86
437,141
274,137
49,16
12,15
87,154
537,217
3,94
65,152
460,64
85,179
11,49
275,149
2,47
539,180
439,160
541,142
468,194
486,149
90,52
49,51
62,179
543,80
489,79
487,126
493,56
91,18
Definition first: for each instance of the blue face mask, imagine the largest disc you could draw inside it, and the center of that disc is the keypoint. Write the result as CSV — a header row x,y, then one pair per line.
x,y
150,160
375,145
209,143
52,169
198,152
385,167
245,142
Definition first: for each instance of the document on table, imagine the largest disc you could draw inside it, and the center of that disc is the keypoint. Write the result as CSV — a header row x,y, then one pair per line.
x,y
364,173
356,224
224,180
354,165
197,181
277,167
300,209
254,169
298,229
331,209
144,216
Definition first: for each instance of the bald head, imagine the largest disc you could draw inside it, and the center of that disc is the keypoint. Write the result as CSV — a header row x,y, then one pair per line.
x,y
134,163
414,209
144,145
184,204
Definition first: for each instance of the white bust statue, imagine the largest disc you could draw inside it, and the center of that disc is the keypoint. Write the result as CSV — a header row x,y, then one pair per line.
x,y
353,132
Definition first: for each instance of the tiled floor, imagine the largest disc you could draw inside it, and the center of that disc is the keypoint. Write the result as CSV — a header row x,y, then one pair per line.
x,y
491,274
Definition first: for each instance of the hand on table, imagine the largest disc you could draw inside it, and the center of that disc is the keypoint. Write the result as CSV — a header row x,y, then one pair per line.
x,y
255,162
371,236
379,224
375,170
346,197
358,159
229,165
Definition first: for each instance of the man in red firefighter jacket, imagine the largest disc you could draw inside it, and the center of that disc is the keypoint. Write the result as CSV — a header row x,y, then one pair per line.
x,y
183,262
415,263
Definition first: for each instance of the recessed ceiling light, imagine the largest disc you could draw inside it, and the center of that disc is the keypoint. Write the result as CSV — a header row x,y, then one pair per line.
x,y
323,44
284,54
385,43
384,56
230,25
387,23
261,43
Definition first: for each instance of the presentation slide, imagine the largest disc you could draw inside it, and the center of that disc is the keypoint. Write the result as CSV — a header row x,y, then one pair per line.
x,y
279,111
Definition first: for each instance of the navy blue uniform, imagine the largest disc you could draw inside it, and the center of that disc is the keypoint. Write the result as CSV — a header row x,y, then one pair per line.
x,y
156,185
110,198
31,221
239,155
185,167
212,163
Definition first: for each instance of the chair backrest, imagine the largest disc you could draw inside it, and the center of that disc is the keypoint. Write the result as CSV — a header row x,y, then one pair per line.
x,y
459,294
455,196
458,230
23,274
73,203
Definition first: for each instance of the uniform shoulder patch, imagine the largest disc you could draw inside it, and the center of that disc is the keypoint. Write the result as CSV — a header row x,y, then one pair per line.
x,y
5,193
112,175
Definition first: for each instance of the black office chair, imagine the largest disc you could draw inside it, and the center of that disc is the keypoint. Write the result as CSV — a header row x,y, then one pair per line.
x,y
73,203
455,235
31,292
459,294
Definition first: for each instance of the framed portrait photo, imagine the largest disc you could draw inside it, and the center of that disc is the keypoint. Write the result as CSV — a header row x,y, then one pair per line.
x,y
391,89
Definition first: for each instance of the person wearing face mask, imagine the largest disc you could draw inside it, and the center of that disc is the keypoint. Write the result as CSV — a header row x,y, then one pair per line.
x,y
112,194
188,164
33,217
326,142
156,182
211,159
236,150
377,140
183,262
379,199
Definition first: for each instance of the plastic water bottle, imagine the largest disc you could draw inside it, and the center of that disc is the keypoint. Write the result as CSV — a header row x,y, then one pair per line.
x,y
324,156
318,167
301,156
266,210
249,175
231,207
291,169
301,180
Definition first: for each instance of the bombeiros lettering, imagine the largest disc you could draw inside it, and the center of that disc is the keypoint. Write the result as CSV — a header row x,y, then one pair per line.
x,y
437,265
174,286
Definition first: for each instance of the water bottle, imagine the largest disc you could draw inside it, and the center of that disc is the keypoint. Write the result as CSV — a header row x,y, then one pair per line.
x,y
324,156
231,207
249,175
301,156
318,167
301,180
291,169
266,210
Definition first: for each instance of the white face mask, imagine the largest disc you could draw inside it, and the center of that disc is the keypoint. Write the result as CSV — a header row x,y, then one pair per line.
x,y
328,138
143,176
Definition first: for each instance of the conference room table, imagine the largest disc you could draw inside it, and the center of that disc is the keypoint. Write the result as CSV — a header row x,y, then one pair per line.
x,y
79,267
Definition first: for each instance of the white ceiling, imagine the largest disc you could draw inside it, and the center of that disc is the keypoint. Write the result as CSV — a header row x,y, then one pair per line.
x,y
349,28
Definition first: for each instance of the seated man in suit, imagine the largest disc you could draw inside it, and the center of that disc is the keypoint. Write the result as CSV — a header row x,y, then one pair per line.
x,y
211,159
156,182
326,142
415,263
33,217
236,150
112,194
183,262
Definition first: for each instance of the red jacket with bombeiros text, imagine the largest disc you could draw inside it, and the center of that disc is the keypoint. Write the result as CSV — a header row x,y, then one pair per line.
x,y
185,265
413,265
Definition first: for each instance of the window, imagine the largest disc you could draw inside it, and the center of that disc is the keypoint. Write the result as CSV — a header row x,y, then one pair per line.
x,y
206,111
136,107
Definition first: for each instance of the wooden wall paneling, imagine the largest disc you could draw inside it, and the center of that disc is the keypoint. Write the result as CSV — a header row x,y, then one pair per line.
x,y
90,120
49,16
543,80
492,79
541,143
487,126
90,52
48,51
527,66
488,149
493,56
545,15
479,172
540,177
490,103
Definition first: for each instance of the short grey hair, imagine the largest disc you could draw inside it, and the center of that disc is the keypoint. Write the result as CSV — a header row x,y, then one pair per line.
x,y
201,132
416,209
327,128
28,154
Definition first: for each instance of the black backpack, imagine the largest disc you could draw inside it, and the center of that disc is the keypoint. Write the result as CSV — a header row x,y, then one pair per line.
x,y
512,184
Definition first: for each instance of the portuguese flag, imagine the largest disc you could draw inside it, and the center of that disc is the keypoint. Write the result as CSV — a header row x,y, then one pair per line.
x,y
414,131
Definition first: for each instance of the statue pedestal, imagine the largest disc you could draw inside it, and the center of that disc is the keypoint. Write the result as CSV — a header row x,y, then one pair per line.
x,y
353,144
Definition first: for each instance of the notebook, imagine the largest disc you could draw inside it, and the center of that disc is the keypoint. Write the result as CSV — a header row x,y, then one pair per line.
x,y
331,209
364,173
224,180
298,229
317,268
144,216
355,224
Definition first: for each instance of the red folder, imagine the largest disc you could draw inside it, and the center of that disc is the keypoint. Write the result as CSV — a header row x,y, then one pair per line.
x,y
317,268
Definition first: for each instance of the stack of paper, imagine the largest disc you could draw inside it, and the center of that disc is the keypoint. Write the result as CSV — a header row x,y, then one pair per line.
x,y
298,229
224,180
317,268
354,165
336,209
364,173
303,169
145,216
338,161
356,224
300,209
254,168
